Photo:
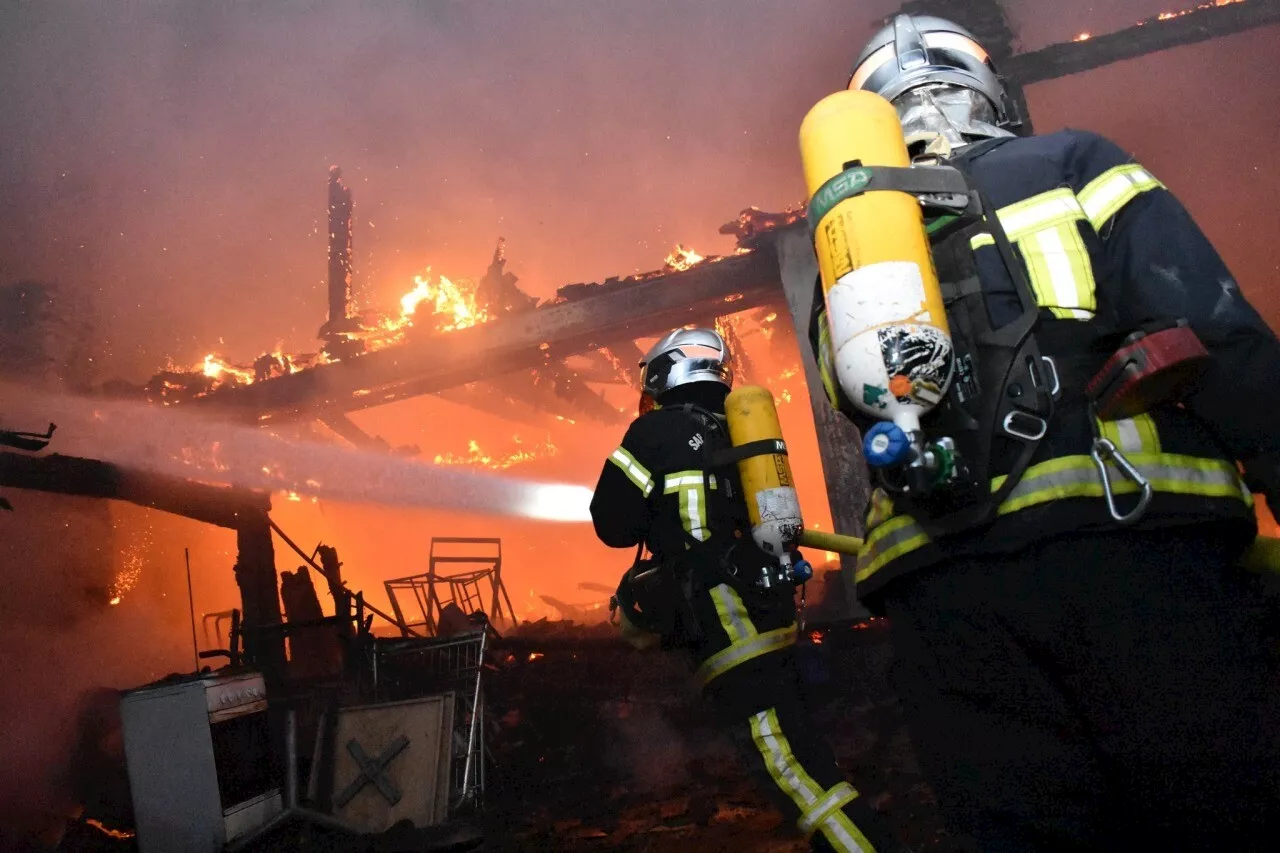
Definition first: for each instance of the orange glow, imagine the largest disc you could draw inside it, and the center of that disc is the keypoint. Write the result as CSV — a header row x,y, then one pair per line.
x,y
535,655
1083,37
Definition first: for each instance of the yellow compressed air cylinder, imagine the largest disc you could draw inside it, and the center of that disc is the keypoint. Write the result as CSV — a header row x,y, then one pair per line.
x,y
890,340
767,485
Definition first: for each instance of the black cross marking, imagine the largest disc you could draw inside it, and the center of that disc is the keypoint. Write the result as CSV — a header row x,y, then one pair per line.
x,y
372,770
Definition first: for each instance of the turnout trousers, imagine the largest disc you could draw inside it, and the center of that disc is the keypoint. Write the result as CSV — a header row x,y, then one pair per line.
x,y
746,666
1098,691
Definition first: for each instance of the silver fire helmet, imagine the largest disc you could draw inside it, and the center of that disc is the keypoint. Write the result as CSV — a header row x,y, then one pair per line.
x,y
938,77
683,357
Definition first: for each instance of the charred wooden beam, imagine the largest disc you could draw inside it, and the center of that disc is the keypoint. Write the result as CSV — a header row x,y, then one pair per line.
x,y
349,430
90,478
1202,24
604,368
511,343
495,397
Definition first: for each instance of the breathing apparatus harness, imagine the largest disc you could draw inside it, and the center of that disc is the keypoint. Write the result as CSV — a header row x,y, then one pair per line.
x,y
1003,386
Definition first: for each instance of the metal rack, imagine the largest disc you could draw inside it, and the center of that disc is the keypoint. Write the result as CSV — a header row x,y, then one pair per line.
x,y
432,591
410,668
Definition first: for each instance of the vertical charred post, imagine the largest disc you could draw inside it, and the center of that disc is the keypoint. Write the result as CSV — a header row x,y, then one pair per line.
x,y
340,214
259,594
337,331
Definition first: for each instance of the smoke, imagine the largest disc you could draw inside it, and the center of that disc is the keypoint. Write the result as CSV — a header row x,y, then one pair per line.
x,y
157,440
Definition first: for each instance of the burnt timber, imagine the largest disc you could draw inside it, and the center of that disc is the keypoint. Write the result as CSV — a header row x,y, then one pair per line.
x,y
240,510
512,342
1206,23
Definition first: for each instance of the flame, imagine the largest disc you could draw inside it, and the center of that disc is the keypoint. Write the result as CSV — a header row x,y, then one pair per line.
x,y
1083,37
1168,16
454,308
478,458
535,655
219,369
681,259
113,833
440,302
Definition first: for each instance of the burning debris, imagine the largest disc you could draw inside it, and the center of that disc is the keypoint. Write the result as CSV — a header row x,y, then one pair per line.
x,y
753,225
477,458
681,259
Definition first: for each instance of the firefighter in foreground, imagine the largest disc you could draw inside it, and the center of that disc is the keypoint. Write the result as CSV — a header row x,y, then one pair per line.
x,y
711,590
1055,376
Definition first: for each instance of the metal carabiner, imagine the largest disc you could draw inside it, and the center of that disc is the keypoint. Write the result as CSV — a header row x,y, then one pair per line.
x,y
1103,451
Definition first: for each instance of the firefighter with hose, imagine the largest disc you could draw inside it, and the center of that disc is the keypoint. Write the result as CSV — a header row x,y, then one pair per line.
x,y
1059,383
722,577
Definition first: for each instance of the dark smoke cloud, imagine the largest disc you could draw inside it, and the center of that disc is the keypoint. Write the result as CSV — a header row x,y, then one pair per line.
x,y
167,160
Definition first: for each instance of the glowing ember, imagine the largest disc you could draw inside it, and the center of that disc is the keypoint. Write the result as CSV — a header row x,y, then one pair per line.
x,y
535,655
1083,37
476,457
113,833
131,559
681,259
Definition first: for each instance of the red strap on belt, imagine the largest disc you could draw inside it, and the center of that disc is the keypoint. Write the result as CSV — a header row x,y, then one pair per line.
x,y
1151,368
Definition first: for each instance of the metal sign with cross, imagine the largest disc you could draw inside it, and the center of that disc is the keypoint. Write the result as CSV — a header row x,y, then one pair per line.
x,y
373,770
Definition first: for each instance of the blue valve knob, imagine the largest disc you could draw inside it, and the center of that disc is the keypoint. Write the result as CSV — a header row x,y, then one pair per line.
x,y
885,444
801,571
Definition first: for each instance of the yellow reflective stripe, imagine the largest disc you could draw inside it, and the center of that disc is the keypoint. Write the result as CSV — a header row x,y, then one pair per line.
x,y
837,797
1061,273
1068,477
1045,229
881,508
787,773
732,613
794,781
824,361
842,834
1132,435
635,472
1040,212
1106,194
693,501
743,651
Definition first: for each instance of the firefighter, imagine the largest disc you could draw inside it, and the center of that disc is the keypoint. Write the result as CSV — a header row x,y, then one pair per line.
x,y
702,591
1081,665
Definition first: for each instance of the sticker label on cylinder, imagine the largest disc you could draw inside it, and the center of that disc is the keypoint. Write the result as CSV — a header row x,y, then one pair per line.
x,y
780,504
840,247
